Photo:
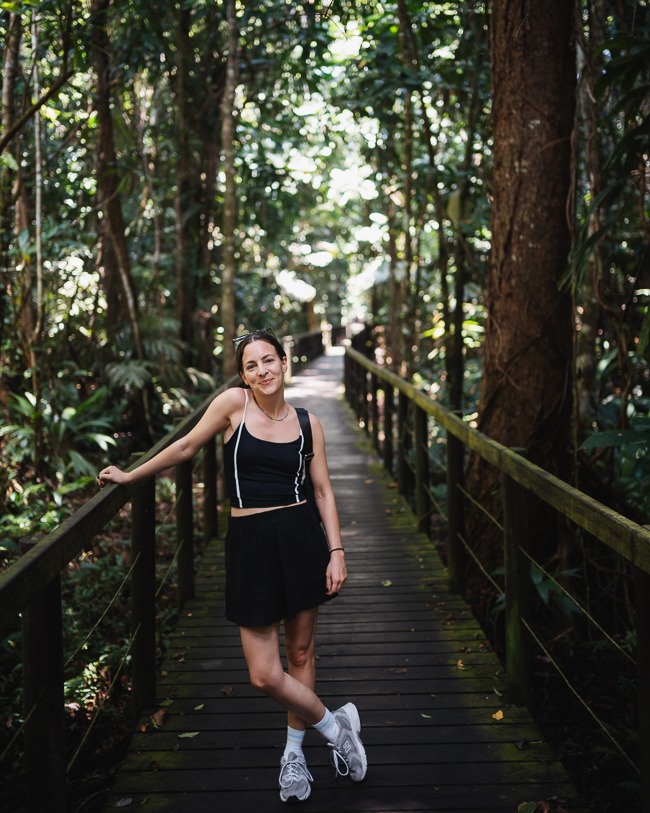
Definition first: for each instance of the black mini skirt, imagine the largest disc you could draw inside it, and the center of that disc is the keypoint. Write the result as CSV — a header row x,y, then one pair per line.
x,y
276,563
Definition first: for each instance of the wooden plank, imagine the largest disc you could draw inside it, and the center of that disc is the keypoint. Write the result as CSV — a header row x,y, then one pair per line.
x,y
429,723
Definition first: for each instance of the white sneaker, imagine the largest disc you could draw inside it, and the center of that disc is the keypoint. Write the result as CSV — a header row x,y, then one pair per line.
x,y
348,756
294,779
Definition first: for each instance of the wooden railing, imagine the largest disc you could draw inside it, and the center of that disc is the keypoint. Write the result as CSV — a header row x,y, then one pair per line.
x,y
30,595
397,417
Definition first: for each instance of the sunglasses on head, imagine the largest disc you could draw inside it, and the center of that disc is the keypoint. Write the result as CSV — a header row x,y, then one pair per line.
x,y
257,334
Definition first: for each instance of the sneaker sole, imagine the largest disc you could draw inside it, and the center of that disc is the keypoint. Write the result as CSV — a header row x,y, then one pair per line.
x,y
353,714
295,799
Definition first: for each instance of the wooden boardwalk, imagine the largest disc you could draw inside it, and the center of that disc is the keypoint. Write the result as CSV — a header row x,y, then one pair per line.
x,y
439,733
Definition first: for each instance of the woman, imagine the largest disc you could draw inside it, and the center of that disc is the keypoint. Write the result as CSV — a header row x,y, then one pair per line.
x,y
280,565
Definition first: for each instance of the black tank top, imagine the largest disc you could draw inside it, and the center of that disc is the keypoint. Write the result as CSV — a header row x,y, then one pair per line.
x,y
262,473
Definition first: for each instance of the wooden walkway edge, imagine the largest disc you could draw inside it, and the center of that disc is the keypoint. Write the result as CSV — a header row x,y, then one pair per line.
x,y
438,730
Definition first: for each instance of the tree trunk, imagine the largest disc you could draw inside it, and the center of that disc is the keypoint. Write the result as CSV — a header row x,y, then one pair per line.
x,y
108,188
9,76
526,389
230,195
184,283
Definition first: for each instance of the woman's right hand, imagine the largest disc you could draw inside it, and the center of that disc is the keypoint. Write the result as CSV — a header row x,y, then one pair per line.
x,y
111,474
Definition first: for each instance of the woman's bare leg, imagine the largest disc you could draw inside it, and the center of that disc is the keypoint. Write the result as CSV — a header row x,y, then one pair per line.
x,y
261,646
300,645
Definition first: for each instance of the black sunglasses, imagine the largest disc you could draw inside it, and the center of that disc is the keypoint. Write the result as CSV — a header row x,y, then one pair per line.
x,y
265,331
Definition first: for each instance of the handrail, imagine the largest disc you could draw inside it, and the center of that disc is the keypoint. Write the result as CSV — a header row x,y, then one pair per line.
x,y
627,538
520,479
30,594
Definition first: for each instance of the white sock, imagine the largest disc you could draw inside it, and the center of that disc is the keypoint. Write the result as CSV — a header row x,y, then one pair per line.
x,y
295,736
328,727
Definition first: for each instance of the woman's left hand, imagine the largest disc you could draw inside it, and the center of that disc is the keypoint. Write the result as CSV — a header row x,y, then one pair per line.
x,y
336,573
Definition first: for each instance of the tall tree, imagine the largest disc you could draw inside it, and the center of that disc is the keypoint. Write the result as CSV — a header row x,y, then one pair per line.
x,y
117,275
230,194
526,393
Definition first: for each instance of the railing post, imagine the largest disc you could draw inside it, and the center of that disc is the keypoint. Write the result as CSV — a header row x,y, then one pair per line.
x,y
365,409
184,532
403,441
45,750
642,591
374,411
456,556
388,428
421,440
210,496
143,594
517,590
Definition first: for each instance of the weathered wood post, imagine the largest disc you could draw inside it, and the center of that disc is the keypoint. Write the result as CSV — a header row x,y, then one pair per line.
x,y
456,556
517,589
143,594
389,408
363,392
210,496
421,441
642,590
374,410
184,532
404,443
45,750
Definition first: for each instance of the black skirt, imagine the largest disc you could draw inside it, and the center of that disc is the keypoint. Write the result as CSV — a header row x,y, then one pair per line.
x,y
275,565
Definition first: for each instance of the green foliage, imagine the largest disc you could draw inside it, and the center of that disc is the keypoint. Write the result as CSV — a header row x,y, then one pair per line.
x,y
68,430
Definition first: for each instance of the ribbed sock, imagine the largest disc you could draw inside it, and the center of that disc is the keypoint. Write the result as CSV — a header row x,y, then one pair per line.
x,y
328,727
295,736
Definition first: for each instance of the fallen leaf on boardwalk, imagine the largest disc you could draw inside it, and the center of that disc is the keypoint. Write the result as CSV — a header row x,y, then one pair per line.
x,y
143,802
179,656
144,727
125,802
166,703
227,690
426,716
188,735
368,482
460,665
398,670
200,707
386,583
498,715
158,718
497,692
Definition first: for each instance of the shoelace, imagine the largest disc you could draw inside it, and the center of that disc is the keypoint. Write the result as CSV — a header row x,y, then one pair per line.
x,y
336,758
291,772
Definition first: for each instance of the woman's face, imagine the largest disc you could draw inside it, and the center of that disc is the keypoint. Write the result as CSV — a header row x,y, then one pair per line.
x,y
262,368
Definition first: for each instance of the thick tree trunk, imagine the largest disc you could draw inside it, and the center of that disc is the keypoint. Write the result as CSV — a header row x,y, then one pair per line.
x,y
230,195
526,390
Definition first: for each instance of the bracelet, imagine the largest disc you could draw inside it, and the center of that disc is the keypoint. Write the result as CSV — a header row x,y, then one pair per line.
x,y
333,549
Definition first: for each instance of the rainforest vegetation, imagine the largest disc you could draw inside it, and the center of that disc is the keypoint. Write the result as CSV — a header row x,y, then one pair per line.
x,y
470,180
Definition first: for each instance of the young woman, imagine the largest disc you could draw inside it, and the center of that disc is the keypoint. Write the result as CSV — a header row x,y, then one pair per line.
x,y
281,563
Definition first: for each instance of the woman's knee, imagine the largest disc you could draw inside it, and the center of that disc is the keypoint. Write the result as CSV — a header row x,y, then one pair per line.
x,y
266,681
300,656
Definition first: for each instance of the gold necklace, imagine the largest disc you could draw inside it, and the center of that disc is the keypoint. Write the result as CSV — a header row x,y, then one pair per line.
x,y
270,417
